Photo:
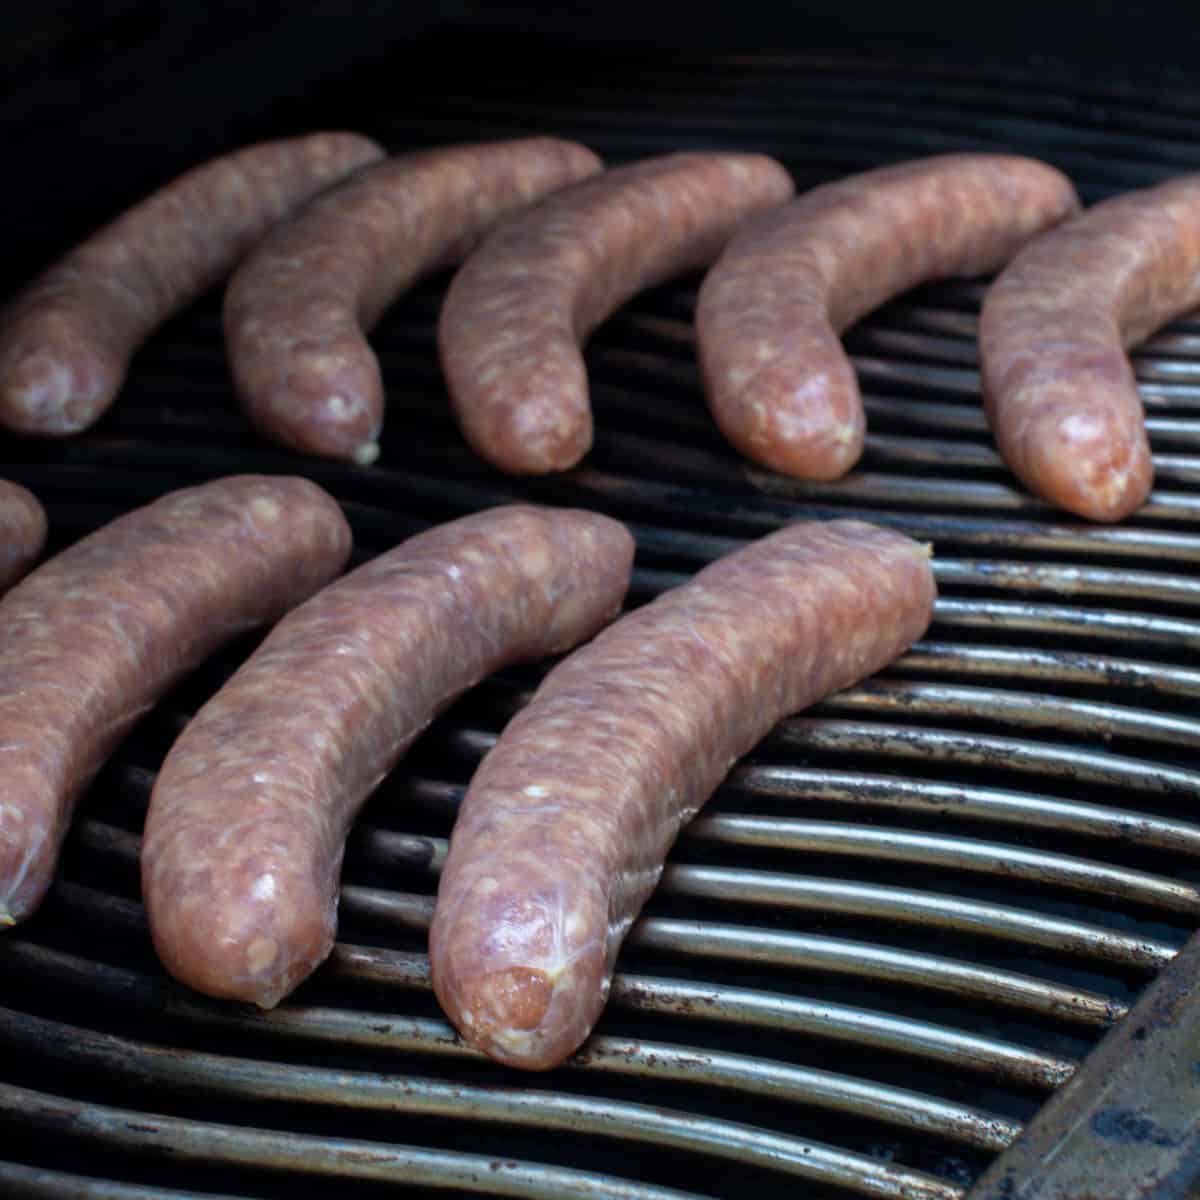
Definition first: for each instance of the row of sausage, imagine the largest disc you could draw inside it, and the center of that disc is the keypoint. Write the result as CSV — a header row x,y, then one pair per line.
x,y
567,821
328,231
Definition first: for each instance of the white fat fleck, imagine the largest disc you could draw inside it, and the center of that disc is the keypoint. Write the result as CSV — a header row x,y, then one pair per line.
x,y
264,887
536,789
739,377
366,453
265,509
454,572
262,953
536,561
260,777
1080,427
515,1042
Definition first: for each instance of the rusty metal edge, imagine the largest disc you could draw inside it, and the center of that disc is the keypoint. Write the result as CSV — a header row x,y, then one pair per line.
x,y
1126,1126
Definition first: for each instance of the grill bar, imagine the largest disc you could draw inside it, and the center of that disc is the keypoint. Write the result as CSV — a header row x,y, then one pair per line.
x,y
681,999
38,1183
1078,718
882,965
986,750
941,418
927,910
678,504
1071,580
800,952
775,889
882,904
900,845
209,1142
222,1077
832,896
1066,621
1050,667
793,951
920,796
1003,1061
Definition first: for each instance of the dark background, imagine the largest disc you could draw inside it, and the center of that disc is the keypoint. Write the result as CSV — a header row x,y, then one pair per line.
x,y
106,99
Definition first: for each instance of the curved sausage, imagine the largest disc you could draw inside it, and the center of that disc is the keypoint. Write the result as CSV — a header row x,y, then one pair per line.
x,y
297,308
96,634
22,531
566,824
521,305
248,818
1059,391
771,310
66,341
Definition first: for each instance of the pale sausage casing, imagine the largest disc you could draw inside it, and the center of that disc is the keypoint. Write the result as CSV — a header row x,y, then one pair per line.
x,y
520,306
297,309
96,634
772,309
22,531
566,824
248,819
1056,326
66,341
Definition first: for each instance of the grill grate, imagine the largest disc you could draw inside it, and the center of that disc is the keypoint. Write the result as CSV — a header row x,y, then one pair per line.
x,y
906,917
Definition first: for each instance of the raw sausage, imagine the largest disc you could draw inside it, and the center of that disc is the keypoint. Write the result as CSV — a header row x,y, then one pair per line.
x,y
519,308
66,341
297,308
1058,387
771,310
248,819
22,532
96,634
566,824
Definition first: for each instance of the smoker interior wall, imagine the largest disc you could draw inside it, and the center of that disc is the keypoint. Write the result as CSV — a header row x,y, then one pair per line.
x,y
1105,31
100,102
106,99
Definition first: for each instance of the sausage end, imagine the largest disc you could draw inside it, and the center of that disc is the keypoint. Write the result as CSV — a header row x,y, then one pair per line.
x,y
219,955
519,1016
792,406
1073,431
53,392
504,1004
535,440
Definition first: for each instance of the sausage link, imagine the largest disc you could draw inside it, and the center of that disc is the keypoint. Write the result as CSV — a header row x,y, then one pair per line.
x,y
1059,391
522,304
66,341
566,824
96,634
772,309
22,532
248,819
297,309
